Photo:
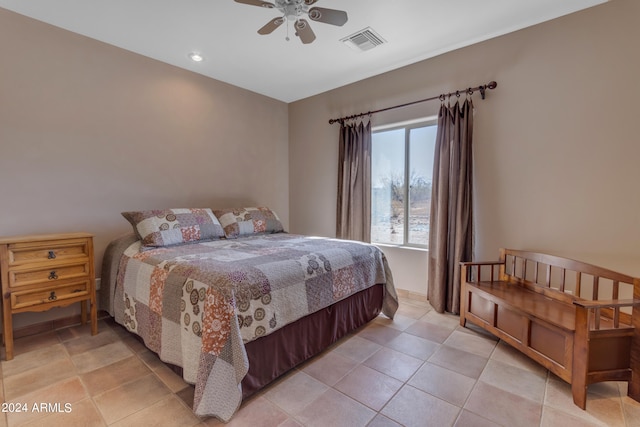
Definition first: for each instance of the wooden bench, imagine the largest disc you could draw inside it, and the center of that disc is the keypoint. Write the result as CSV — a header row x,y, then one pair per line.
x,y
580,321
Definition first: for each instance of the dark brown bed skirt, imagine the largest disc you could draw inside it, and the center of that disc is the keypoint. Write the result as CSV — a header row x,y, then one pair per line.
x,y
284,349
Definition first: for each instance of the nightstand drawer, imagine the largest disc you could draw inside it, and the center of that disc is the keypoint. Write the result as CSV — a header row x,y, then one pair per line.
x,y
44,274
47,251
50,294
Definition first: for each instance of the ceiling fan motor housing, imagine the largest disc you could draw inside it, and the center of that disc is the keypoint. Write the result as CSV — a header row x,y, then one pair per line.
x,y
292,9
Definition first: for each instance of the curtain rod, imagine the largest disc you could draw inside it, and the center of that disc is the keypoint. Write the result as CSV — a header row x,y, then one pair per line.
x,y
481,88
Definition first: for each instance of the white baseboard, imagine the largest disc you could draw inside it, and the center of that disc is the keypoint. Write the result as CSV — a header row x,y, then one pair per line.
x,y
403,293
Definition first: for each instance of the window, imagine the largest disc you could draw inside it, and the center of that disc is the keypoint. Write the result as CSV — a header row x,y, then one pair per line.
x,y
399,155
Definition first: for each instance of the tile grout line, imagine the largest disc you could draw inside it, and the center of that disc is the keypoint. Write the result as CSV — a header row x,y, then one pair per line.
x,y
79,377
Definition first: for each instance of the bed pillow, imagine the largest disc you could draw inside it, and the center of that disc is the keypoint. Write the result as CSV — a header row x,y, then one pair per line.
x,y
247,221
166,227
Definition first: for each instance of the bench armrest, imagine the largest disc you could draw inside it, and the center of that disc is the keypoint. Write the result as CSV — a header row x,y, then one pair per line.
x,y
471,263
607,303
469,267
583,308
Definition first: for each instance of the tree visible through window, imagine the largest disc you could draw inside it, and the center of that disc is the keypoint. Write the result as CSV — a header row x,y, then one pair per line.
x,y
399,156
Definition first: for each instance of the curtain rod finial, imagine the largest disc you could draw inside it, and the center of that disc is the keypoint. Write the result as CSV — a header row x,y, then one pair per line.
x,y
483,89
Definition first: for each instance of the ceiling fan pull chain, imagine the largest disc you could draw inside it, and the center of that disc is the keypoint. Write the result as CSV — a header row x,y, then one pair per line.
x,y
287,38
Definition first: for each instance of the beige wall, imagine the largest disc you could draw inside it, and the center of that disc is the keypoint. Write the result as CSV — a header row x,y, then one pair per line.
x,y
88,130
556,144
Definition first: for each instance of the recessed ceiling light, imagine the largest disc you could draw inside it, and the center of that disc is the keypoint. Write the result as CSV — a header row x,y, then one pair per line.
x,y
196,57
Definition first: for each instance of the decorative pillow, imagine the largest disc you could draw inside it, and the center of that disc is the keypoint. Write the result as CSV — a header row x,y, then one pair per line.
x,y
165,227
246,221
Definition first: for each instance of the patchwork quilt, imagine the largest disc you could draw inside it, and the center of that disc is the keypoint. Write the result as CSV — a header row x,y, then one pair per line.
x,y
196,305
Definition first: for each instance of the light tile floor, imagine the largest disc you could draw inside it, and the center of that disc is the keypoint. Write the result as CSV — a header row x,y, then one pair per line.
x,y
421,369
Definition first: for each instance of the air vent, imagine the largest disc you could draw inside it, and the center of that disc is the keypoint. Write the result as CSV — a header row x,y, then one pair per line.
x,y
363,40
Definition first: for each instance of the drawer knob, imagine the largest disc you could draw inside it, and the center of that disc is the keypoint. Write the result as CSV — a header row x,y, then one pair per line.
x,y
52,255
53,275
53,296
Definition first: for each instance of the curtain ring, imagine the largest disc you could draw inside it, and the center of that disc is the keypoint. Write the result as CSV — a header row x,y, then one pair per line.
x,y
442,98
457,94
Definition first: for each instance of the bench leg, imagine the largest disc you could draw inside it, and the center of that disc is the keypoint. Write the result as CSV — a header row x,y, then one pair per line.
x,y
580,358
464,298
579,392
634,391
634,383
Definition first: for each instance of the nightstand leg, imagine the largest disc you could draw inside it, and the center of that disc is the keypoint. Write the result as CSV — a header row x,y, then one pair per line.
x,y
94,315
7,336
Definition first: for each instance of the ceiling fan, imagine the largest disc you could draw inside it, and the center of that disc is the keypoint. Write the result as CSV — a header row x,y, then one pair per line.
x,y
294,10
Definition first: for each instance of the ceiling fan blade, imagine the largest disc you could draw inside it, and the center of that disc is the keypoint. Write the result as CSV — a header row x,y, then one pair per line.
x,y
257,3
304,31
271,26
328,16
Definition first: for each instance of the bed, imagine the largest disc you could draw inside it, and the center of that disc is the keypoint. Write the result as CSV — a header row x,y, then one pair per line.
x,y
233,300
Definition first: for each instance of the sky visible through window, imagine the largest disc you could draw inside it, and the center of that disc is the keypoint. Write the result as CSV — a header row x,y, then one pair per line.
x,y
388,147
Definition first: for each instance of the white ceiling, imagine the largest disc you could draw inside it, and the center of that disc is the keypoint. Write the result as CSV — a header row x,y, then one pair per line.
x,y
225,33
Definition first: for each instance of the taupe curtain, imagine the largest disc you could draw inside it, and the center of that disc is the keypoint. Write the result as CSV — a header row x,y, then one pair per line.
x,y
451,222
353,220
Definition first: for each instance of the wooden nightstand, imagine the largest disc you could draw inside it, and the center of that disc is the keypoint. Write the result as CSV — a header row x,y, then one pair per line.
x,y
40,272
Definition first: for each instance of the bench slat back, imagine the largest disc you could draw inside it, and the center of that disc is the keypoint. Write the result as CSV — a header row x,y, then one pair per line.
x,y
563,278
